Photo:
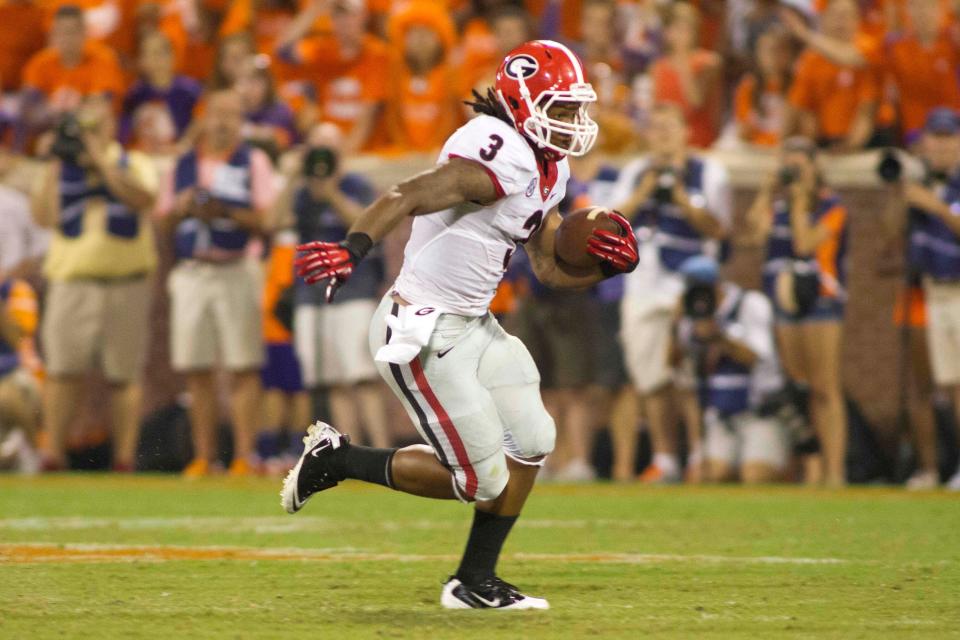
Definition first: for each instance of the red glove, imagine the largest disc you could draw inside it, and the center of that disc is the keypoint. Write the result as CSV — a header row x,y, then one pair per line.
x,y
617,252
333,261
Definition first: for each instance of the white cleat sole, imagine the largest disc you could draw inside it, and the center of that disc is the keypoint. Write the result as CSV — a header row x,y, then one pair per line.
x,y
450,601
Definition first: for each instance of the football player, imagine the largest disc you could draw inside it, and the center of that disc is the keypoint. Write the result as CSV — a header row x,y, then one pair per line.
x,y
471,389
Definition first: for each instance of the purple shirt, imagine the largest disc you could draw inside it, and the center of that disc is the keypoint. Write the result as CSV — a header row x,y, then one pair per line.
x,y
180,97
279,116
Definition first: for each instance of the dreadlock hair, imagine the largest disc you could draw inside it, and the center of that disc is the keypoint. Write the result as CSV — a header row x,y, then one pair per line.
x,y
489,105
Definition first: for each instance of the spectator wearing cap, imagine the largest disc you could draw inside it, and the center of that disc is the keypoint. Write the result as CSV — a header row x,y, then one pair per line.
x,y
804,225
214,204
158,83
348,69
727,335
932,220
97,199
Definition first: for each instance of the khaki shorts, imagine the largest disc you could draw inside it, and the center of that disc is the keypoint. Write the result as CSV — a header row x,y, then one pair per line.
x,y
332,343
745,438
943,331
92,324
646,341
558,331
215,317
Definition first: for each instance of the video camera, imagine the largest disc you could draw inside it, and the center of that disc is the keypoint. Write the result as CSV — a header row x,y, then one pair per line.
x,y
320,162
700,301
68,141
666,180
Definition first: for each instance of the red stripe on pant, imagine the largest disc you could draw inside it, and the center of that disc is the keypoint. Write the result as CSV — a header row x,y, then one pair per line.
x,y
448,429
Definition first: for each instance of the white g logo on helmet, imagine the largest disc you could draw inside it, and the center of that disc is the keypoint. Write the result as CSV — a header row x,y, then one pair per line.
x,y
521,66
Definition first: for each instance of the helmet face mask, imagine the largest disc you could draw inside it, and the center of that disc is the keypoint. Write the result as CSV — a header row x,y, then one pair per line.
x,y
556,77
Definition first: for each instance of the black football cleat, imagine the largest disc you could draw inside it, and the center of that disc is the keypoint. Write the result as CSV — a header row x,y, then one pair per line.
x,y
314,471
492,593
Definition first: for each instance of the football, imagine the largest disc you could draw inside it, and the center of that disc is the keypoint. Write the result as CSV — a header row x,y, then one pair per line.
x,y
571,238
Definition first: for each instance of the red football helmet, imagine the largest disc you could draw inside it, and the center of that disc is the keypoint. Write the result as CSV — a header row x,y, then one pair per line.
x,y
532,78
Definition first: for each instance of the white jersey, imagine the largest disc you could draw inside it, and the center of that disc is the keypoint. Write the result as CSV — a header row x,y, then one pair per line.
x,y
456,258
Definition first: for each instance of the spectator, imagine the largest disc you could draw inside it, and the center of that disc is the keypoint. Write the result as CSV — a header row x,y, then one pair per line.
x,y
602,57
213,204
348,69
727,334
596,182
554,327
286,402
423,107
933,252
21,36
689,76
19,395
22,242
923,62
509,26
72,67
265,20
158,84
331,338
96,197
804,274
233,53
642,37
760,98
835,92
680,206
269,122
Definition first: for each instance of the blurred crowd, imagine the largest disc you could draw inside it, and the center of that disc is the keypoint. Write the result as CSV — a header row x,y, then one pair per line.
x,y
196,142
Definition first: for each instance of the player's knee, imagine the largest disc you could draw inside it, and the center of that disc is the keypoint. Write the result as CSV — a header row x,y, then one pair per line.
x,y
535,442
491,481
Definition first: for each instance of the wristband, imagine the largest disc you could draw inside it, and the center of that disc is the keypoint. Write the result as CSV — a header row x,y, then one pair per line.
x,y
358,244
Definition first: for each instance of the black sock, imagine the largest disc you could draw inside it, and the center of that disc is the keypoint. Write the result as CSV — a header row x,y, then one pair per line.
x,y
483,547
365,463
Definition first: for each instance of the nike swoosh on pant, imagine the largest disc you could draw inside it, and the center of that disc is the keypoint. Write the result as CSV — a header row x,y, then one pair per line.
x,y
440,354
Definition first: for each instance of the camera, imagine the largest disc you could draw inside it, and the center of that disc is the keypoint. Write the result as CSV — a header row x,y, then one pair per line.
x,y
890,168
68,142
700,301
666,181
320,162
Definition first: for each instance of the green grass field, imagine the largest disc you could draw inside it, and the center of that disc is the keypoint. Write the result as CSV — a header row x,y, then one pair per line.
x,y
158,557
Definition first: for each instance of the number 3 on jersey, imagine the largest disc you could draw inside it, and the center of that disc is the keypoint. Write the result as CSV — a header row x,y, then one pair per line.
x,y
490,152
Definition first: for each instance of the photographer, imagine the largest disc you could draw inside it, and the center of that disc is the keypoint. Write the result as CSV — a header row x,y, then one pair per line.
x,y
804,226
213,205
929,211
727,334
680,208
96,197
331,338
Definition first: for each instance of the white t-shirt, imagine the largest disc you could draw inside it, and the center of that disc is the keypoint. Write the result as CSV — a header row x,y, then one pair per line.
x,y
456,258
650,284
20,237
